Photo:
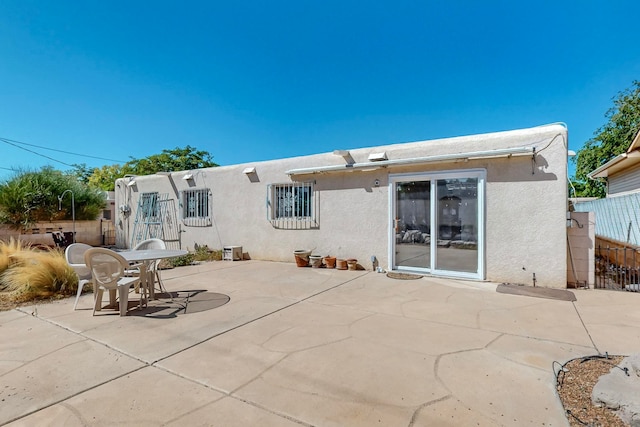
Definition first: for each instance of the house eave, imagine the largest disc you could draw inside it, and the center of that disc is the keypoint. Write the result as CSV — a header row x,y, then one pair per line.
x,y
366,166
618,163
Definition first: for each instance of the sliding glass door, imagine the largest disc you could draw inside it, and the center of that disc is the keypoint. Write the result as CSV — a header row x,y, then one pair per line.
x,y
437,223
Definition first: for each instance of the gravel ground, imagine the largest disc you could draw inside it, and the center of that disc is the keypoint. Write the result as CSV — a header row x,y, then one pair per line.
x,y
575,386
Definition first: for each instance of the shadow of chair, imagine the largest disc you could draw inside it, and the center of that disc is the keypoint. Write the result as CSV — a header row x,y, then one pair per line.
x,y
108,274
74,254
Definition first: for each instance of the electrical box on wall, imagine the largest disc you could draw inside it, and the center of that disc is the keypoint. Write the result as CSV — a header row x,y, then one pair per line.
x,y
232,253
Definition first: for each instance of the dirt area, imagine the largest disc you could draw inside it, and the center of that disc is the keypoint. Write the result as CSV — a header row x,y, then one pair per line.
x,y
9,303
575,386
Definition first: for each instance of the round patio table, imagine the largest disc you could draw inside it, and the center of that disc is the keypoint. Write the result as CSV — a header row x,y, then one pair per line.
x,y
145,257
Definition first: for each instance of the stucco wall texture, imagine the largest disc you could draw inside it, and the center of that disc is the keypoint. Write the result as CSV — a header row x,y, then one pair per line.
x,y
525,215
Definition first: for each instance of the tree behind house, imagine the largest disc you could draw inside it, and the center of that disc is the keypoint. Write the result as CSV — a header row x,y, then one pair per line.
x,y
610,140
32,196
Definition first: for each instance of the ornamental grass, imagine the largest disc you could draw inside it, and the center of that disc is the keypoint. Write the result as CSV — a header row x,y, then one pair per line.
x,y
28,273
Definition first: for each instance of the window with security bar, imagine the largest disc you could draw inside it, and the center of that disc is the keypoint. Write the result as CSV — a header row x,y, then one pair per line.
x,y
149,205
292,206
196,207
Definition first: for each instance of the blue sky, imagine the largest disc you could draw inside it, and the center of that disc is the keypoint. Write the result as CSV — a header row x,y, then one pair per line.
x,y
255,80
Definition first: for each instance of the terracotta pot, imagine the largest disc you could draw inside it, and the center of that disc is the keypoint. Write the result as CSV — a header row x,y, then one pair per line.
x,y
302,257
316,261
352,264
330,262
341,264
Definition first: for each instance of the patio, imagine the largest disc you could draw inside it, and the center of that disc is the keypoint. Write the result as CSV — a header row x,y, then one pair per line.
x,y
271,344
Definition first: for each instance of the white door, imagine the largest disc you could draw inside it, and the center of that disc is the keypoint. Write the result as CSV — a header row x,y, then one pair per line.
x,y
437,223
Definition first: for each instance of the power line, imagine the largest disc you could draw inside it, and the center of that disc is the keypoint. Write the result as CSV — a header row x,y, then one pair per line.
x,y
15,144
37,154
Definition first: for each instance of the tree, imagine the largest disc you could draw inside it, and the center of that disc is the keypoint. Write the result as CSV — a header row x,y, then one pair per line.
x,y
610,140
178,159
32,196
82,172
105,177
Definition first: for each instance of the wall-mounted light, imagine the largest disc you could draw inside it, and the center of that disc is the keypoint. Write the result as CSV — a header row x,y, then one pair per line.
x,y
188,176
249,171
376,183
131,183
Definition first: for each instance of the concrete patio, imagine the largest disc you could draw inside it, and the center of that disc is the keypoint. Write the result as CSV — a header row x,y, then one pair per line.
x,y
271,344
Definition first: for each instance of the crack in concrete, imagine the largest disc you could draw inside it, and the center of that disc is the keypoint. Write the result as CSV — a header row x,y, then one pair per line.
x,y
414,417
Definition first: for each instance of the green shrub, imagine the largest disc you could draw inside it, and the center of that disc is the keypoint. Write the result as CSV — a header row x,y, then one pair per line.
x,y
181,260
203,253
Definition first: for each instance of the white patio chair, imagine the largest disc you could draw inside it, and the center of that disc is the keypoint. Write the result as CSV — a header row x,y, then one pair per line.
x,y
108,274
152,266
74,254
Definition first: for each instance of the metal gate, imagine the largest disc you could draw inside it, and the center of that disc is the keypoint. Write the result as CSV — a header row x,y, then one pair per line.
x,y
617,268
156,217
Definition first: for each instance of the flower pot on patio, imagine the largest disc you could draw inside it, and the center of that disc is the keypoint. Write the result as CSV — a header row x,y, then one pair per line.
x,y
352,264
330,261
341,264
302,257
316,261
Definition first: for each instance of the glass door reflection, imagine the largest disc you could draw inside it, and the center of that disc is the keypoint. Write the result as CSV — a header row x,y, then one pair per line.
x,y
457,224
413,224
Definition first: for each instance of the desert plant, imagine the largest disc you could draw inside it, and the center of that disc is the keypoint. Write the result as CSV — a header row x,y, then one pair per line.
x,y
181,260
35,274
7,250
203,253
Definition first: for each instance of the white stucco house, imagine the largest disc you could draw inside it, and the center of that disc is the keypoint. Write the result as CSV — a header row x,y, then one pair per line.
x,y
483,207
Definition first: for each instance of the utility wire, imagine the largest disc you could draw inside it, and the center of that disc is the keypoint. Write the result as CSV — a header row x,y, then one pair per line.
x,y
37,154
15,144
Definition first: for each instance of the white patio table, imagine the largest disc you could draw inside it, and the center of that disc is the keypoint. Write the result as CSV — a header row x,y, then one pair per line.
x,y
145,256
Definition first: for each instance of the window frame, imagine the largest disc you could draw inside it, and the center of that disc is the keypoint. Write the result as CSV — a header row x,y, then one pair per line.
x,y
196,213
292,205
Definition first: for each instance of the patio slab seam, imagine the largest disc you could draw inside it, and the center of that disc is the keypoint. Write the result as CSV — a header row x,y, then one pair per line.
x,y
416,413
585,327
88,338
77,393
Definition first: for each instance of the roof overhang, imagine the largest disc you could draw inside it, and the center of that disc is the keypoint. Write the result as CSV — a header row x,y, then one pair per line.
x,y
618,163
367,166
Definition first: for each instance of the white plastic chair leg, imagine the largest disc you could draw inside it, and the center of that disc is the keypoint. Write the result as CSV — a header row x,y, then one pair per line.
x,y
81,284
123,292
97,306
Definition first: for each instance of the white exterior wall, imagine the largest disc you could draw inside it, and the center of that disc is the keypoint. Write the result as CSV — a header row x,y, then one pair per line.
x,y
526,204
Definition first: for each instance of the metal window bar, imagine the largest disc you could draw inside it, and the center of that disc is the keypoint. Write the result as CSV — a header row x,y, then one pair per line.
x,y
293,206
148,220
196,207
617,268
